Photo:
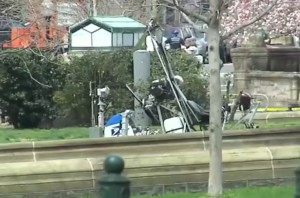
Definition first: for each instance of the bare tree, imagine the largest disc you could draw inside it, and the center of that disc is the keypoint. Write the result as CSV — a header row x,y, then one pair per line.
x,y
11,9
140,10
24,27
10,14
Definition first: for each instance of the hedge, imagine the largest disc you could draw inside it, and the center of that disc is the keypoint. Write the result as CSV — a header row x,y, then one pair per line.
x,y
28,102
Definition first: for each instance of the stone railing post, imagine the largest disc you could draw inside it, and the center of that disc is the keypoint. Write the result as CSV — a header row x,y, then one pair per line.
x,y
113,184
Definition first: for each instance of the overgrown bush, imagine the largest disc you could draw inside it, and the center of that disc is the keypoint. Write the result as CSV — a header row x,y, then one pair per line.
x,y
28,81
113,69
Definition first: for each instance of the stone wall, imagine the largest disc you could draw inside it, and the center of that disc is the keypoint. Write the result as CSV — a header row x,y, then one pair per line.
x,y
282,88
285,59
274,72
155,173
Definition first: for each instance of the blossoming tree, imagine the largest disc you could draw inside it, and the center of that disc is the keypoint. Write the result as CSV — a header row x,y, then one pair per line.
x,y
235,19
278,18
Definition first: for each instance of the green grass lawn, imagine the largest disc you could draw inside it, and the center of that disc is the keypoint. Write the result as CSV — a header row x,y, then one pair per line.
x,y
274,123
262,192
13,135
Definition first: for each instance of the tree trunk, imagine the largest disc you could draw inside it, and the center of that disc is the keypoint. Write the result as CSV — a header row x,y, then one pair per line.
x,y
154,10
94,8
215,186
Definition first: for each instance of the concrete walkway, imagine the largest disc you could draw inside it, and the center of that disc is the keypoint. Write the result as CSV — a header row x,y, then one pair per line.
x,y
272,115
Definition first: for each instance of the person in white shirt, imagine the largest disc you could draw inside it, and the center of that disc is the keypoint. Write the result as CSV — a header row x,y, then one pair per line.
x,y
190,45
150,43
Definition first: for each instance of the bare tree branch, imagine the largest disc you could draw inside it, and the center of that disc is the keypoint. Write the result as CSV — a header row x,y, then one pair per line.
x,y
195,4
8,9
13,53
29,73
11,9
251,21
225,5
187,18
202,18
4,52
197,27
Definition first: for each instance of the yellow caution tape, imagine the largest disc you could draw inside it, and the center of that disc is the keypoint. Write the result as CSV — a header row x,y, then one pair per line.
x,y
277,109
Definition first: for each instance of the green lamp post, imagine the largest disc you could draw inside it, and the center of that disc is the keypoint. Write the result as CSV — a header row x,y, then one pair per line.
x,y
113,184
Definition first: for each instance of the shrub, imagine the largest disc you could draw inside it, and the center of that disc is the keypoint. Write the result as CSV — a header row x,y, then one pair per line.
x,y
33,88
28,81
115,69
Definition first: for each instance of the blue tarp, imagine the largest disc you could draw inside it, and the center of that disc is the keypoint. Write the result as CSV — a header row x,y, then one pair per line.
x,y
115,119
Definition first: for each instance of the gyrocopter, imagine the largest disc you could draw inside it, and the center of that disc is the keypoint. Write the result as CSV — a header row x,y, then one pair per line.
x,y
166,104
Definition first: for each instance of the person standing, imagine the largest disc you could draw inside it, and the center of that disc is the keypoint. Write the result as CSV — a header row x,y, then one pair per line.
x,y
150,43
175,41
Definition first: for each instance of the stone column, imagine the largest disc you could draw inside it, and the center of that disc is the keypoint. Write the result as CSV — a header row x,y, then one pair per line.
x,y
141,73
245,60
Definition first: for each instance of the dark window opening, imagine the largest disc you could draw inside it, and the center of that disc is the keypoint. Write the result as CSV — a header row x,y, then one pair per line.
x,y
48,27
4,36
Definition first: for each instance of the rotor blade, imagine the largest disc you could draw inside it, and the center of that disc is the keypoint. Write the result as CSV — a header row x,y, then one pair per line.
x,y
134,95
167,68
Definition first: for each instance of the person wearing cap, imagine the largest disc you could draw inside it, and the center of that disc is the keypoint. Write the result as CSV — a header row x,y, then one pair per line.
x,y
175,41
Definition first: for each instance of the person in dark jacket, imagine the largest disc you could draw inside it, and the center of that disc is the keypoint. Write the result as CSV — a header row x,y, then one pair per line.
x,y
175,41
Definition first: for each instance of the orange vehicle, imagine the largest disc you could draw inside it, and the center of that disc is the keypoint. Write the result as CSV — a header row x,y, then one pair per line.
x,y
45,34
